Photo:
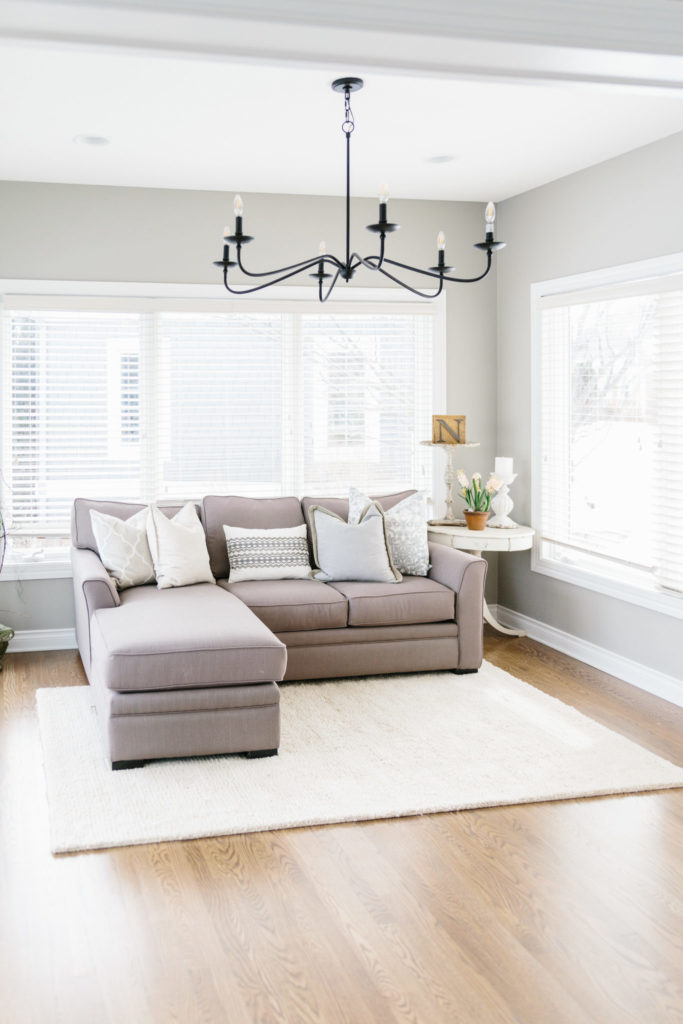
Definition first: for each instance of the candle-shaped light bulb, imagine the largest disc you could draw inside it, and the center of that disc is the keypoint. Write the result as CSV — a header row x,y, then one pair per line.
x,y
441,246
238,207
490,216
322,249
226,231
383,196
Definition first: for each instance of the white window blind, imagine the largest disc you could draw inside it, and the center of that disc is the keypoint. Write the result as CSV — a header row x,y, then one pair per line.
x,y
135,400
609,475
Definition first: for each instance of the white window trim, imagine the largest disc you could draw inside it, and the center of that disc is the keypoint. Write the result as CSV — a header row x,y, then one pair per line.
x,y
661,266
197,296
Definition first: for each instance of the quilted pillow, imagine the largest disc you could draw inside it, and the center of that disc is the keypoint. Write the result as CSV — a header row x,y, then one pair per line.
x,y
276,554
351,551
123,547
406,526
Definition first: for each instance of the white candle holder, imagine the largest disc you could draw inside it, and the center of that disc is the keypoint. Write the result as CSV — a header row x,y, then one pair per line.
x,y
502,505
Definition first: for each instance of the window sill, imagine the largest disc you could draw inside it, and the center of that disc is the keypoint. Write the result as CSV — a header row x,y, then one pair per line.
x,y
655,600
45,569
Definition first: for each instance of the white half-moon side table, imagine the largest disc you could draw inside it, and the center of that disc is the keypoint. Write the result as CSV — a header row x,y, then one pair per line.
x,y
489,539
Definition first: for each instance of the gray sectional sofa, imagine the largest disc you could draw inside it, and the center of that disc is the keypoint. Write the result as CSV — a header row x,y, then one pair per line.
x,y
195,670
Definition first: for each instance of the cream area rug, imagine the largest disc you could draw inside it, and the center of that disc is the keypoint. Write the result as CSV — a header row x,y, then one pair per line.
x,y
352,749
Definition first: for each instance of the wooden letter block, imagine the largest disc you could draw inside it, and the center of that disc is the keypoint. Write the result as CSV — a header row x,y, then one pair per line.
x,y
448,430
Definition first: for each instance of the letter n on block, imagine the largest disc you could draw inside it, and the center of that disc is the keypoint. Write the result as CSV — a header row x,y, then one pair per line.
x,y
448,430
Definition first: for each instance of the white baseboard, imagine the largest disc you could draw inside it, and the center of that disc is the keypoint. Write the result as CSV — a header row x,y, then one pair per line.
x,y
42,640
649,679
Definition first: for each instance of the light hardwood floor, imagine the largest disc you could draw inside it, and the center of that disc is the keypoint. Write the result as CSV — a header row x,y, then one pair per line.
x,y
555,913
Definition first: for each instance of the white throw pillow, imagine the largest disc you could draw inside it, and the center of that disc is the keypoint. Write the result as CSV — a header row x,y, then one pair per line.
x,y
406,529
123,547
277,554
351,551
178,548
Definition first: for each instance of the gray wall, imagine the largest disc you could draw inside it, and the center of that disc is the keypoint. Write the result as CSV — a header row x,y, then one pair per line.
x,y
92,233
620,211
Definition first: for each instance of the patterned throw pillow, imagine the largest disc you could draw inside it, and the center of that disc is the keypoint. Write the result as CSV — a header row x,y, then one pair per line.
x,y
406,529
123,547
351,551
277,554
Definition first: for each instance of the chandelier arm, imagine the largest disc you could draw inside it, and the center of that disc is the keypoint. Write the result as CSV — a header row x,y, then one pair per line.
x,y
444,277
303,265
325,297
372,262
381,250
266,284
415,291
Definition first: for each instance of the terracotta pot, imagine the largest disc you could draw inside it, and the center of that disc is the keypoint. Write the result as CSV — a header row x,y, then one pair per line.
x,y
476,520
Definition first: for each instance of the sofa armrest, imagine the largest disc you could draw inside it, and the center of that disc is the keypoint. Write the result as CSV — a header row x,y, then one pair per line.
x,y
466,575
93,588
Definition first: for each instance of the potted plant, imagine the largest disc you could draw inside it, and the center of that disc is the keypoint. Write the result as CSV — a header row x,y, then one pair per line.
x,y
477,498
6,632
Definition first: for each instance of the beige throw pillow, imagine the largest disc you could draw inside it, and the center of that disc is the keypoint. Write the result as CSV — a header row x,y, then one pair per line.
x,y
123,547
350,551
178,548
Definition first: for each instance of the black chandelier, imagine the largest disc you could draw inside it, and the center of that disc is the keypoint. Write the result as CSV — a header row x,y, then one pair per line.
x,y
329,266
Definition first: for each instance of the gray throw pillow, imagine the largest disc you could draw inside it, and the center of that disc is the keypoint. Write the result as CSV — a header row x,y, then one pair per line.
x,y
406,525
351,551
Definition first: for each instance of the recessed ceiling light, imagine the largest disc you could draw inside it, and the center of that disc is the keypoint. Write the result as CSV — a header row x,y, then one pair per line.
x,y
91,140
441,158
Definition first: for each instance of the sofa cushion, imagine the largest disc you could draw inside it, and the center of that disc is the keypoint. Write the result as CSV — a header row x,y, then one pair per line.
x,y
415,599
292,605
232,510
370,634
182,637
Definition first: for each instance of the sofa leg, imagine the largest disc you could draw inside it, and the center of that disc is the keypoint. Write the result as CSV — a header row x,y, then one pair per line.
x,y
117,766
261,753
464,671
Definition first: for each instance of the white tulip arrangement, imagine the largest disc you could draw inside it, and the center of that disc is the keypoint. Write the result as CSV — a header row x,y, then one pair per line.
x,y
478,498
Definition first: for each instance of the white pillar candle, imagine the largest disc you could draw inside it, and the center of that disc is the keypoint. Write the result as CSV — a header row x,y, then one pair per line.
x,y
503,467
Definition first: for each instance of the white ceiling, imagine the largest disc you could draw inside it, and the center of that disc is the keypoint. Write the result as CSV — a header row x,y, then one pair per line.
x,y
216,123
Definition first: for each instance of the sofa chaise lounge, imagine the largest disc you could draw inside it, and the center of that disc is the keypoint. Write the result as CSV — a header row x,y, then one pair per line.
x,y
194,670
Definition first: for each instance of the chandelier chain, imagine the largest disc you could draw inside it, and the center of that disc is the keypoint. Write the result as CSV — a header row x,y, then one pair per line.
x,y
348,124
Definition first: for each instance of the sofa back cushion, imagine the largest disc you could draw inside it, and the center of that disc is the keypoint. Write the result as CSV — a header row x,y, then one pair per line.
x,y
232,510
82,535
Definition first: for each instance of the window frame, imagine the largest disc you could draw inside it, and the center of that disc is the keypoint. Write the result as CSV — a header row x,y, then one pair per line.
x,y
205,298
589,281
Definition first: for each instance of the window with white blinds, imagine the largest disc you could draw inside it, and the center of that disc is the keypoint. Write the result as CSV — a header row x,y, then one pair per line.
x,y
608,473
149,399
